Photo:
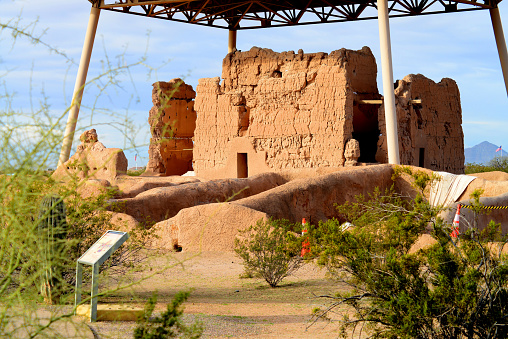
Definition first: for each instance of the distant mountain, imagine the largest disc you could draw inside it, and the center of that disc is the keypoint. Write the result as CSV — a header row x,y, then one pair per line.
x,y
481,153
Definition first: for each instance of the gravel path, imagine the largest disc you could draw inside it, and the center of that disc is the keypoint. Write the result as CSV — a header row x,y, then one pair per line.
x,y
226,305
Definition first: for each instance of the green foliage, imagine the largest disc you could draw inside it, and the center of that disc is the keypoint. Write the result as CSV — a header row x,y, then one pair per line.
x,y
169,324
20,253
471,168
449,290
41,239
136,173
499,164
271,249
30,141
90,218
495,164
420,180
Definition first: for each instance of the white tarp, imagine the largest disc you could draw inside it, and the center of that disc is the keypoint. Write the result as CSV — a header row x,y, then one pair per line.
x,y
449,188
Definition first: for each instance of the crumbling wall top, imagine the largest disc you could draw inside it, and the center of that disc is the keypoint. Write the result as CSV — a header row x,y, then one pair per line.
x,y
246,68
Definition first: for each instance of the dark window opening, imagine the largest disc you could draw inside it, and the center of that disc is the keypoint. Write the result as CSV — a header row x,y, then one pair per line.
x,y
241,165
277,74
244,121
419,119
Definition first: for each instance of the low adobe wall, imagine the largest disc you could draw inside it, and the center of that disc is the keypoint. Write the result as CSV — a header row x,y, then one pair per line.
x,y
165,202
467,216
315,198
213,227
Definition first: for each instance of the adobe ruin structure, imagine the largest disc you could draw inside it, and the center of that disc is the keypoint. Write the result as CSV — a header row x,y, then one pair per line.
x,y
278,111
172,122
235,16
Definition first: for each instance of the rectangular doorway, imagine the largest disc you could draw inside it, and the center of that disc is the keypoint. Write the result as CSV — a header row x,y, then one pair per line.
x,y
421,158
242,168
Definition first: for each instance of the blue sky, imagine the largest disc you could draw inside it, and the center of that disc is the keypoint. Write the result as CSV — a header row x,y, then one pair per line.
x,y
460,46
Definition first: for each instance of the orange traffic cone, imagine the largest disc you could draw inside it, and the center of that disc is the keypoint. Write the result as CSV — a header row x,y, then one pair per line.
x,y
455,226
305,242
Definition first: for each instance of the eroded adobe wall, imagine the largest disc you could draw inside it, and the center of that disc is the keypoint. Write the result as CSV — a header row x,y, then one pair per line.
x,y
172,122
93,160
430,133
275,111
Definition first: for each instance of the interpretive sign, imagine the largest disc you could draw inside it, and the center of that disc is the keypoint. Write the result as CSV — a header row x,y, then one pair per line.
x,y
103,248
95,256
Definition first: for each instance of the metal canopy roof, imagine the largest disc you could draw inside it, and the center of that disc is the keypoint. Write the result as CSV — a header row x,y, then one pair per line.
x,y
250,14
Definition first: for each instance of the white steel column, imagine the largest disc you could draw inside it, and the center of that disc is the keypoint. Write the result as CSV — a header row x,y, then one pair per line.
x,y
389,94
500,42
79,85
232,41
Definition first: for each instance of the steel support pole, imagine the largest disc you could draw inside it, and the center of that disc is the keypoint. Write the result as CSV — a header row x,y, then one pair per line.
x,y
387,72
232,41
500,42
79,85
95,292
79,282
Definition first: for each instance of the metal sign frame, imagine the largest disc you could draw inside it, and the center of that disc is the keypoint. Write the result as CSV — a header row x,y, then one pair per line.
x,y
95,256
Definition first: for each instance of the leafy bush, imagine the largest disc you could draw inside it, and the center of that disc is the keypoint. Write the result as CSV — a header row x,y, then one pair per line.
x,y
30,141
136,173
271,249
471,168
169,324
495,164
90,218
499,164
453,289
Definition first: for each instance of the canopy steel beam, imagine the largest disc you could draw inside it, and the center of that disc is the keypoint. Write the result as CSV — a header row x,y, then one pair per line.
x,y
252,14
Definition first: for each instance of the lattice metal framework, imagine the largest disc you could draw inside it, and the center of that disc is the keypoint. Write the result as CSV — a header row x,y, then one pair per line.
x,y
250,14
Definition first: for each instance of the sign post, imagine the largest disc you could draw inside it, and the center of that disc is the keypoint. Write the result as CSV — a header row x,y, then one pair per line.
x,y
95,256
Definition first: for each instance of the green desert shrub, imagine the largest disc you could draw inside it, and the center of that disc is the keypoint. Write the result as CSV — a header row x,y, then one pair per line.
x,y
137,172
495,164
456,288
33,254
169,324
271,249
92,216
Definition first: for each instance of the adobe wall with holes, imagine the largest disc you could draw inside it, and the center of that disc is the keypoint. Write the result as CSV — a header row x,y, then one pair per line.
x,y
276,111
172,123
430,133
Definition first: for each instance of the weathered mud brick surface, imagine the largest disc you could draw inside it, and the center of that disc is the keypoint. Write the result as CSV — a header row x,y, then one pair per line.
x,y
172,123
275,111
430,133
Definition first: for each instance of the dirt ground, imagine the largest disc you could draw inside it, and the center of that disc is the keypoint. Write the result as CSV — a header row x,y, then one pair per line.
x,y
227,306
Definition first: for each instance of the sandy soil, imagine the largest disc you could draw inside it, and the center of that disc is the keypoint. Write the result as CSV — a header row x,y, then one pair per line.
x,y
228,306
